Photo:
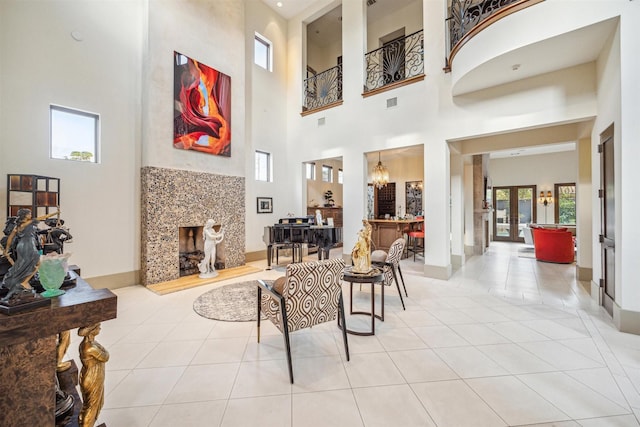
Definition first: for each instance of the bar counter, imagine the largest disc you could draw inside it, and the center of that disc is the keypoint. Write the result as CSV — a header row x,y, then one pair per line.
x,y
385,231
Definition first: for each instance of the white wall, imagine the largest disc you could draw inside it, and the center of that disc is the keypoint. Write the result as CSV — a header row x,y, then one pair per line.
x,y
409,17
542,170
41,64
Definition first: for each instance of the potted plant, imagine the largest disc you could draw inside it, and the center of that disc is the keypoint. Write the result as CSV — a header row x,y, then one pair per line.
x,y
328,199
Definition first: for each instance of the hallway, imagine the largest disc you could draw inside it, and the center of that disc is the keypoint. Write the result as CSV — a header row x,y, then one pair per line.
x,y
507,341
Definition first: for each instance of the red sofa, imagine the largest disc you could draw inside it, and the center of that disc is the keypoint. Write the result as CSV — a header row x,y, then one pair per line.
x,y
553,245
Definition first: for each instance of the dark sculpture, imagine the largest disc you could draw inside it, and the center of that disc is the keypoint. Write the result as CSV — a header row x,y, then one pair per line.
x,y
56,235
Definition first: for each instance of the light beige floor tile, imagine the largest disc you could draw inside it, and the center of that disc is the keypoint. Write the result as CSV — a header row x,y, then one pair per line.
x,y
477,334
190,414
127,355
440,336
616,421
559,356
400,339
359,344
372,369
601,381
231,329
553,329
140,416
171,353
312,345
484,315
147,332
270,347
190,331
144,387
454,404
327,408
516,332
220,351
391,405
468,362
515,359
421,366
506,395
571,397
451,316
262,378
415,318
319,374
266,411
204,382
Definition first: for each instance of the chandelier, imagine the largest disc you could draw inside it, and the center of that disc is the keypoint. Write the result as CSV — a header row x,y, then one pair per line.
x,y
380,174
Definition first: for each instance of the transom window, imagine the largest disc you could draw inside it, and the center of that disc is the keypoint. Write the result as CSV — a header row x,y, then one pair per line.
x,y
263,166
262,52
74,134
327,173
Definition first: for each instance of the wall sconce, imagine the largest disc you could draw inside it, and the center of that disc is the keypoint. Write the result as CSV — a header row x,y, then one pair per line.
x,y
545,200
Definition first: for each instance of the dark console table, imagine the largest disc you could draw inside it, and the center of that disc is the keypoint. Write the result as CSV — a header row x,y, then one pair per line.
x,y
28,351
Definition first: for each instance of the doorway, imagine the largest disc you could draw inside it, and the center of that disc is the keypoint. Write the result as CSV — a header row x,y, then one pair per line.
x,y
607,219
514,207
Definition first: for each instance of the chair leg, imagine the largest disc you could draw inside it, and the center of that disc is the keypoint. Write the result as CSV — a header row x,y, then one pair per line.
x,y
344,326
402,278
259,298
285,332
395,279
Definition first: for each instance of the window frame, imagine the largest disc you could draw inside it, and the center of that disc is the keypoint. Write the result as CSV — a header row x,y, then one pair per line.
x,y
81,113
269,171
310,170
259,38
556,207
330,173
340,176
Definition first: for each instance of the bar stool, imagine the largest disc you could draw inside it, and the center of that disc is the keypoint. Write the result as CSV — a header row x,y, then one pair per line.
x,y
414,236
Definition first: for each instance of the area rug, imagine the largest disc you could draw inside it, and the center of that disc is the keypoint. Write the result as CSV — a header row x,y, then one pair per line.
x,y
232,303
188,282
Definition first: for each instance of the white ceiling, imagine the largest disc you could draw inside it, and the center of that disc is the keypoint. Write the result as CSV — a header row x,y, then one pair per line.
x,y
289,8
532,151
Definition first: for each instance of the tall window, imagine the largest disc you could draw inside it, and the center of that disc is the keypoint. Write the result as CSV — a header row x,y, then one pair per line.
x,y
263,166
74,134
327,173
565,207
339,176
311,170
262,52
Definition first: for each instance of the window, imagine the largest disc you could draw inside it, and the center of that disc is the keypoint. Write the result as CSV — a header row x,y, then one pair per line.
x,y
339,176
262,52
327,173
263,166
74,134
565,206
311,170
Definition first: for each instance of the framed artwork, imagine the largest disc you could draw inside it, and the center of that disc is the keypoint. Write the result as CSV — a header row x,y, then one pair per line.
x,y
201,107
265,204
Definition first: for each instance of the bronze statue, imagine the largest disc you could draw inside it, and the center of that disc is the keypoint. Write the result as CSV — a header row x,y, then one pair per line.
x,y
64,338
23,242
93,357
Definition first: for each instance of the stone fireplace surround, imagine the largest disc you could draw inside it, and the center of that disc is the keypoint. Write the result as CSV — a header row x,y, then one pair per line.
x,y
173,198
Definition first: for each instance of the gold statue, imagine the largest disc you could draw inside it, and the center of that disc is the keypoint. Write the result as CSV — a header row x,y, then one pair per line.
x,y
93,357
64,338
361,253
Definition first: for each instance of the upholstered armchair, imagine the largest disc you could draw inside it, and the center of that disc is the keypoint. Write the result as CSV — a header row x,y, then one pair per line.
x,y
309,294
390,263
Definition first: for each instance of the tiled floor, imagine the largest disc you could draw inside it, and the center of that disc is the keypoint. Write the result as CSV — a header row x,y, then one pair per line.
x,y
507,341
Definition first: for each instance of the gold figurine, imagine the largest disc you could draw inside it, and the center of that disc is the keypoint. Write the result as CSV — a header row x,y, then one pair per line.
x,y
93,357
64,338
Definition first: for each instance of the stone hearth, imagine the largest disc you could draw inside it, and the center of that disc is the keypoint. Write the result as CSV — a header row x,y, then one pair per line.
x,y
174,198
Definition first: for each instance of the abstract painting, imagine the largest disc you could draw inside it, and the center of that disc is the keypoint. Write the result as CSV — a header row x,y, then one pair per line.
x,y
202,107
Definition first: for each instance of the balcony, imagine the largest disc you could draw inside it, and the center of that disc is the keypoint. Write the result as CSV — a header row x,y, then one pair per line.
x,y
398,62
469,17
323,90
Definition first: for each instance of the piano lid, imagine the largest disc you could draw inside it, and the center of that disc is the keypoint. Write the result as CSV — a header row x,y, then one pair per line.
x,y
310,219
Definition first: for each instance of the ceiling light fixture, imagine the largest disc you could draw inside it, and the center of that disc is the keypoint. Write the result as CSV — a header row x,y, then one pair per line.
x,y
279,4
515,67
380,174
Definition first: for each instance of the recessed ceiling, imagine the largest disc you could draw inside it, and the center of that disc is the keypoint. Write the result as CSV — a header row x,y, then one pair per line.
x,y
532,151
289,8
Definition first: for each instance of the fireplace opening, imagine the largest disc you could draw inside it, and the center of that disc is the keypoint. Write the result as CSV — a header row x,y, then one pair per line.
x,y
191,250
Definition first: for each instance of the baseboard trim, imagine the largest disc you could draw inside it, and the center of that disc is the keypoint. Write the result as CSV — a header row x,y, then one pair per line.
x,y
584,274
626,320
255,256
457,260
437,271
468,251
115,281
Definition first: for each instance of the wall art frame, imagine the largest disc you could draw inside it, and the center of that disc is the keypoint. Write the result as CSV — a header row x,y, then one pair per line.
x,y
264,204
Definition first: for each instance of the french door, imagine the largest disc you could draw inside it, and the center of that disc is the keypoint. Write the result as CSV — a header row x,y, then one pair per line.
x,y
513,208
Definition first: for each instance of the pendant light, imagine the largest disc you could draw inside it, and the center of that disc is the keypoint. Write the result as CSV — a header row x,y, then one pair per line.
x,y
380,174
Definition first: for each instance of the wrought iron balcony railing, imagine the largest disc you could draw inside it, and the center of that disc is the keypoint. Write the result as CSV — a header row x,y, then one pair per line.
x,y
394,62
467,17
323,89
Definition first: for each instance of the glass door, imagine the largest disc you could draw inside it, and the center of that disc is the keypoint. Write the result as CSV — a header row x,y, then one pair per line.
x,y
514,207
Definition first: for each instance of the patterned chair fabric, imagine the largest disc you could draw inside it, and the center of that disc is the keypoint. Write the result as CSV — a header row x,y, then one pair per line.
x,y
392,264
312,294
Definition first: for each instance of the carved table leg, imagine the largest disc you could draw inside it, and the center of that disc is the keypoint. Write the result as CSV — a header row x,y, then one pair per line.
x,y
93,357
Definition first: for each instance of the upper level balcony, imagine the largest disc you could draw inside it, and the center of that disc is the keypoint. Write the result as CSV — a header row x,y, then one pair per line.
x,y
323,90
396,63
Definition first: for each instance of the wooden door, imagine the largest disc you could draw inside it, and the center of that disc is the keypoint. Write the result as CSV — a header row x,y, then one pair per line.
x,y
607,219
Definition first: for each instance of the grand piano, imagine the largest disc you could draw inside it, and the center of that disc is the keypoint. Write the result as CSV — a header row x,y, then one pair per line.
x,y
294,232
